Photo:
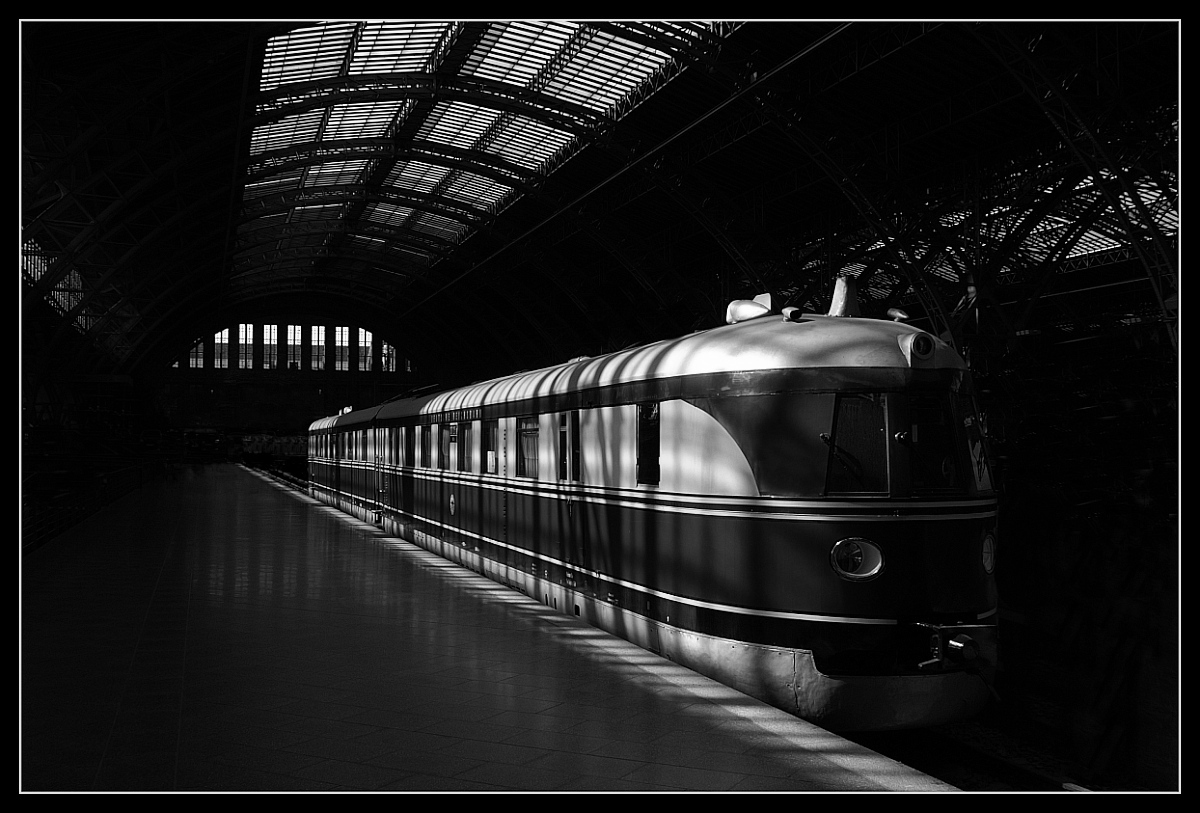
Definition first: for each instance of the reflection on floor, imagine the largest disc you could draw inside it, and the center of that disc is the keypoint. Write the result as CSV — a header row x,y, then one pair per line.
x,y
216,631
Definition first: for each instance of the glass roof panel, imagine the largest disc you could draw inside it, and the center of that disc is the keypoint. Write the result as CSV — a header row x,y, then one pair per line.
x,y
335,172
387,47
475,189
605,72
299,129
306,54
388,213
529,143
457,124
323,211
417,175
362,119
439,226
517,52
283,182
312,66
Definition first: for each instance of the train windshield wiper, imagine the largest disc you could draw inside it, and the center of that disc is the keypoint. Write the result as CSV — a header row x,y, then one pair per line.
x,y
845,458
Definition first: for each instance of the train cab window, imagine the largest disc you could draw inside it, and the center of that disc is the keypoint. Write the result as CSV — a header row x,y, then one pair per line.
x,y
426,443
527,446
463,463
933,447
490,447
648,444
857,444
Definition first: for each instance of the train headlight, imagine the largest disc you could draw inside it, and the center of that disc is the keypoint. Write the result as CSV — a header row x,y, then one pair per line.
x,y
856,559
917,346
989,553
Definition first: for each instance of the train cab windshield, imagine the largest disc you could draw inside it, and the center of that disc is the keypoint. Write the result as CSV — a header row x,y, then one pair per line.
x,y
861,444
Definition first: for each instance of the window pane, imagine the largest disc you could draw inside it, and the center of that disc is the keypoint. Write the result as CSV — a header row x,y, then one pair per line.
x,y
364,350
318,347
563,446
527,442
293,347
575,462
858,446
341,337
445,441
270,346
246,347
648,444
490,447
464,447
221,351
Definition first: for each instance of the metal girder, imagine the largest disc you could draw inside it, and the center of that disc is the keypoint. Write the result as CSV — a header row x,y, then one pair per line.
x,y
298,97
1047,91
478,162
250,243
902,254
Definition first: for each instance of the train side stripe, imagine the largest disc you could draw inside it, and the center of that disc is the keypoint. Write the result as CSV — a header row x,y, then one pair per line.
x,y
790,510
728,608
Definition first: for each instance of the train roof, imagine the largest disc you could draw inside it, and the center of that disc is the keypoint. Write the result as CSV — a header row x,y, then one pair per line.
x,y
769,342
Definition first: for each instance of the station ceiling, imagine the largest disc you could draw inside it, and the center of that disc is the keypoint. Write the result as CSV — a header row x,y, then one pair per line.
x,y
490,196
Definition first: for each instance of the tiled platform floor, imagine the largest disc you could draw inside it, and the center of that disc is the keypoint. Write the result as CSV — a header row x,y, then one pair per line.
x,y
216,631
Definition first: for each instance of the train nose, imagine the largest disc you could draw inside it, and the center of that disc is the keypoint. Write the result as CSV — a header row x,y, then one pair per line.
x,y
962,648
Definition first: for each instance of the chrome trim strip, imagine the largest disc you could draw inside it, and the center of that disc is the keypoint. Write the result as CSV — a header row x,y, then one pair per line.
x,y
729,608
882,510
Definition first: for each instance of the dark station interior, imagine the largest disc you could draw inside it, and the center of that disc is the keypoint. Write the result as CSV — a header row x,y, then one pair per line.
x,y
1011,186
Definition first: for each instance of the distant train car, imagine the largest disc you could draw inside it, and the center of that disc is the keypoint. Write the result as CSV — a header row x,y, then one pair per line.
x,y
799,506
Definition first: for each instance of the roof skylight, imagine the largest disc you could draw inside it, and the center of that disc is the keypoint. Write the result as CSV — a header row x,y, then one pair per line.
x,y
490,106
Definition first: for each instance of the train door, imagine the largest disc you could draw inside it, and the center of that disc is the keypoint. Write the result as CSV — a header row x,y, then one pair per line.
x,y
465,499
407,485
445,448
376,450
505,474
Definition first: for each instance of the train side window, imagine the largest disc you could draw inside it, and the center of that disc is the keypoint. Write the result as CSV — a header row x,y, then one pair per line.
x,y
563,446
858,446
446,442
464,447
426,443
490,447
575,459
648,444
527,443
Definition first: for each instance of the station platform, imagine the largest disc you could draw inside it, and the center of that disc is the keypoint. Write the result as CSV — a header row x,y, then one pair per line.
x,y
219,631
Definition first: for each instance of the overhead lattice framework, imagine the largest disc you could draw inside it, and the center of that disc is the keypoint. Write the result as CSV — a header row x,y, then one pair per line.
x,y
576,187
379,148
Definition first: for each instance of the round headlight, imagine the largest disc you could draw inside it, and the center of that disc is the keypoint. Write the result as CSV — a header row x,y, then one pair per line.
x,y
989,553
856,559
922,345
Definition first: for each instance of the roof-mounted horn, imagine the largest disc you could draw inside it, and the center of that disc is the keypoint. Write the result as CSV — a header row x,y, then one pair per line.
x,y
740,310
845,297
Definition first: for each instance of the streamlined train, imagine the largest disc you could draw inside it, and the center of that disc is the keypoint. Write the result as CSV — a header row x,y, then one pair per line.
x,y
797,505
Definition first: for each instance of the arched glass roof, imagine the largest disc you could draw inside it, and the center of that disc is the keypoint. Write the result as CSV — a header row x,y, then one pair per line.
x,y
404,138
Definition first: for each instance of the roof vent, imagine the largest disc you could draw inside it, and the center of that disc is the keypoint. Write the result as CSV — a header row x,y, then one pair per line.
x,y
845,297
740,310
